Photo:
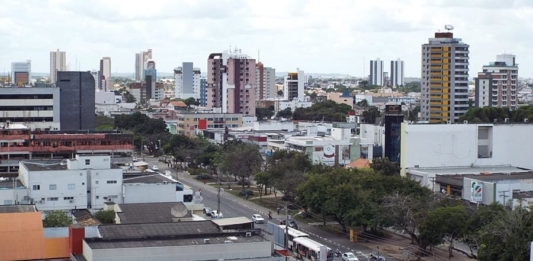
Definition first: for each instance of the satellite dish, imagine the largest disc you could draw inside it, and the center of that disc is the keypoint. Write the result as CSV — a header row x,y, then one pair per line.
x,y
448,27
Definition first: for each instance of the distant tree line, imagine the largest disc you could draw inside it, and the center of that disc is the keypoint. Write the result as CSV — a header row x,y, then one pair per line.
x,y
498,115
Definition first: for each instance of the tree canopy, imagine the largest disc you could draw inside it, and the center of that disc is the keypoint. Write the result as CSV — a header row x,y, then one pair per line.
x,y
57,218
140,123
327,111
492,114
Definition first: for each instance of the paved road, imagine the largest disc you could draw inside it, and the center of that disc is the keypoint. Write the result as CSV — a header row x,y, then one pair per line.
x,y
233,206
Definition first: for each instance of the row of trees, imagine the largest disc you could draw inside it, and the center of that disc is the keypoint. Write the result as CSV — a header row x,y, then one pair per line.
x,y
327,111
492,114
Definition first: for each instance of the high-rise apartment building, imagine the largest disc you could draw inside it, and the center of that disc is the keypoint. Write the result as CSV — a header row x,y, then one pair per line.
x,y
58,62
141,60
376,72
21,73
77,100
497,85
265,81
396,73
444,79
187,81
294,85
105,74
231,82
203,92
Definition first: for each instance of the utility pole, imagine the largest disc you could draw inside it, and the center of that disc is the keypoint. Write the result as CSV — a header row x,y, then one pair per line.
x,y
142,149
503,194
287,227
218,194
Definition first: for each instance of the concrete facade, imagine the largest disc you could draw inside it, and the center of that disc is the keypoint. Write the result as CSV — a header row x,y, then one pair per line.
x,y
77,100
187,81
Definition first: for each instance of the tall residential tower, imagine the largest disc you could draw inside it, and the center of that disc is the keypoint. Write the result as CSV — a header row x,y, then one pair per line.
x,y
141,60
376,72
497,85
58,62
396,73
265,82
294,86
187,81
444,79
105,74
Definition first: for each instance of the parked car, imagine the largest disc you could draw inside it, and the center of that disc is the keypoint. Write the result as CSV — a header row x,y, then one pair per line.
x,y
216,214
207,211
154,167
292,223
258,219
349,256
135,159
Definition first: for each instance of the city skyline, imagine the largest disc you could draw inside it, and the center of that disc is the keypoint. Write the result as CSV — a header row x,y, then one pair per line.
x,y
316,36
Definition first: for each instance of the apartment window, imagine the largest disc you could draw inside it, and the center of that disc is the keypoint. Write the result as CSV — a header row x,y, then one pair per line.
x,y
52,186
97,197
111,182
96,182
112,197
53,199
87,162
68,198
36,187
71,186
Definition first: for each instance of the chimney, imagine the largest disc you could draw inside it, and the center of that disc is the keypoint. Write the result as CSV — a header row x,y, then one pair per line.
x,y
76,234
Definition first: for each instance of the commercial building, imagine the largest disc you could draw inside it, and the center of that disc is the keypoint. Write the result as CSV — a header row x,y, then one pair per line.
x,y
104,83
294,85
265,82
36,108
192,123
187,81
396,73
77,100
393,120
230,83
497,85
21,73
58,62
444,79
376,72
140,63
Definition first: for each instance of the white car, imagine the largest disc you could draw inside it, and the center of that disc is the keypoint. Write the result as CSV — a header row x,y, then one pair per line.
x,y
134,159
216,214
258,219
154,167
349,256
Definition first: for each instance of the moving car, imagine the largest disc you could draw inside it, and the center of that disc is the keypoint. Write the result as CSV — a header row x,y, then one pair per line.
x,y
258,219
134,159
154,167
207,211
292,223
216,214
349,256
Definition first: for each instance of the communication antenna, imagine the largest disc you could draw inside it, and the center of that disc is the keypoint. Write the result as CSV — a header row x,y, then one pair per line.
x,y
448,27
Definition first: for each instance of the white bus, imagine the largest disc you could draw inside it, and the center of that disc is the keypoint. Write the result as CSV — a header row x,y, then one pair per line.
x,y
293,233
309,250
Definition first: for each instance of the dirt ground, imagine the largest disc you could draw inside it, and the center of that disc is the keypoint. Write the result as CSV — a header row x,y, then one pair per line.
x,y
398,247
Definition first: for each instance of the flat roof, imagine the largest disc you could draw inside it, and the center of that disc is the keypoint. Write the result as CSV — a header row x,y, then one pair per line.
x,y
148,230
149,179
102,244
221,222
159,212
476,170
17,208
44,165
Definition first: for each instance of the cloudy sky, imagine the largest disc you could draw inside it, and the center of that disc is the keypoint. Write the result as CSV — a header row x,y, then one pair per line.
x,y
337,36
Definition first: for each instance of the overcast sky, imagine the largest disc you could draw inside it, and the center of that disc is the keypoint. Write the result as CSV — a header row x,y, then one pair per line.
x,y
335,36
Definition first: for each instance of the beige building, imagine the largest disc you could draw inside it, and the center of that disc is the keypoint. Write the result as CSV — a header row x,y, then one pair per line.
x,y
340,99
190,123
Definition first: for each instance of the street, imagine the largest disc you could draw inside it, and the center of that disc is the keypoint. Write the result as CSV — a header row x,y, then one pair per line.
x,y
233,206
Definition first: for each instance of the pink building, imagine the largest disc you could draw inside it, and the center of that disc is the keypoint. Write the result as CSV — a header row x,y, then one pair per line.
x,y
230,83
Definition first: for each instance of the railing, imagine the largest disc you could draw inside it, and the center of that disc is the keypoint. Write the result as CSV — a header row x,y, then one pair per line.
x,y
14,137
87,136
66,148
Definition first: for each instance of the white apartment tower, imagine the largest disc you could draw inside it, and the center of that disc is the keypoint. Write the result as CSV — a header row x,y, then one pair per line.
x,y
444,79
187,81
141,60
294,85
376,72
265,82
497,85
105,74
58,62
396,73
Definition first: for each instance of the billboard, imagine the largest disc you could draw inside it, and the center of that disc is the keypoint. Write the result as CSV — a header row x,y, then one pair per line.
x,y
476,191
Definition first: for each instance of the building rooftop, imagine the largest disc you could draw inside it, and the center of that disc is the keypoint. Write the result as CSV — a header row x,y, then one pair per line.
x,y
102,244
158,230
84,217
17,208
44,165
221,222
476,170
149,179
149,212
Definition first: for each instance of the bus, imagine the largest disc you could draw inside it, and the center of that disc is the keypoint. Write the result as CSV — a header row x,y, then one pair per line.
x,y
309,250
293,233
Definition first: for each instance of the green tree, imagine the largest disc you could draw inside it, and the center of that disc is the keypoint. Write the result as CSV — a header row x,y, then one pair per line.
x,y
57,218
105,216
264,113
285,113
262,179
371,114
286,169
328,111
363,103
240,159
385,166
478,219
444,224
313,95
191,101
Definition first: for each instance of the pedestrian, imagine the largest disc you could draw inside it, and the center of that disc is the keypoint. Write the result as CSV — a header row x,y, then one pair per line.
x,y
278,210
204,182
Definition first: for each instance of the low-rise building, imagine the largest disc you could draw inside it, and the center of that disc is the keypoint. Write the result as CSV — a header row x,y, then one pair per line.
x,y
153,188
191,123
342,98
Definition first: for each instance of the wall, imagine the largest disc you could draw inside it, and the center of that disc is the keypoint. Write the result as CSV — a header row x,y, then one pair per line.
x,y
438,145
105,185
149,193
8,196
189,252
274,125
102,97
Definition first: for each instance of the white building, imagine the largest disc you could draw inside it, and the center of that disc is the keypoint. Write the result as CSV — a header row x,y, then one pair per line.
x,y
376,72
294,85
360,97
371,136
151,188
265,82
187,81
84,182
21,73
96,76
294,104
497,85
396,73
465,145
104,82
36,108
58,62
